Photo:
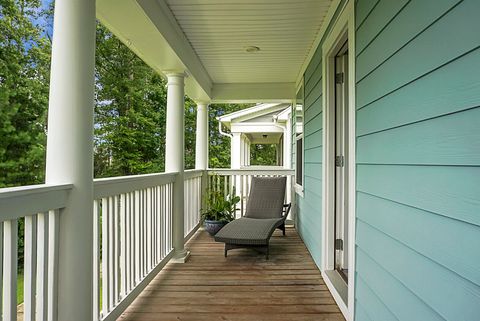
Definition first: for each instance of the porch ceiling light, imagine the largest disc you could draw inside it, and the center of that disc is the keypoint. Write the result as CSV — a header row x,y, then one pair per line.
x,y
251,49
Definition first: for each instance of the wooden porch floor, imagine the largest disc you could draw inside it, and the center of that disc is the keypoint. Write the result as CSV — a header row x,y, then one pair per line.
x,y
242,287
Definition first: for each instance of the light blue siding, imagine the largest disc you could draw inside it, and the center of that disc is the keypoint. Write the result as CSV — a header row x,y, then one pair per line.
x,y
418,154
309,207
309,219
418,160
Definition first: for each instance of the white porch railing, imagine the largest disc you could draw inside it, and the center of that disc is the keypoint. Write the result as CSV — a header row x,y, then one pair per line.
x,y
132,235
193,200
227,180
132,238
40,207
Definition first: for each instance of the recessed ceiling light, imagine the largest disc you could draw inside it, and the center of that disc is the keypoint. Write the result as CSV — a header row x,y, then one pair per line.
x,y
252,49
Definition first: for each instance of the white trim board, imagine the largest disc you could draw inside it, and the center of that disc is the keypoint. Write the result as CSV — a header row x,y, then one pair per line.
x,y
318,39
329,282
343,29
252,112
252,92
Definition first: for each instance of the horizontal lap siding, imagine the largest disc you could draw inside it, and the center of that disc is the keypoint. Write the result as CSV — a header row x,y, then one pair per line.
x,y
310,206
418,160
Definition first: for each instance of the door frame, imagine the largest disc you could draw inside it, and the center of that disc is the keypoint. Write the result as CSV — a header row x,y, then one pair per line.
x,y
343,30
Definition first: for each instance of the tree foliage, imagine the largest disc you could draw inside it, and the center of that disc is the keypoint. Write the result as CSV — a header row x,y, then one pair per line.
x,y
129,111
130,115
219,150
24,78
130,104
263,154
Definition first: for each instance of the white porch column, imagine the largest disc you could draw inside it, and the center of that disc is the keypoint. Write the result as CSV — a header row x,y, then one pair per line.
x,y
277,154
175,157
70,151
201,142
242,150
247,151
235,151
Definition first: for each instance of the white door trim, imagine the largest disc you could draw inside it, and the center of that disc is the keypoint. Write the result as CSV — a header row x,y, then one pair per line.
x,y
343,29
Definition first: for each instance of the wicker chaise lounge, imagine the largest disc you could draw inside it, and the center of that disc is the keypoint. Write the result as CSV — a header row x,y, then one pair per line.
x,y
265,212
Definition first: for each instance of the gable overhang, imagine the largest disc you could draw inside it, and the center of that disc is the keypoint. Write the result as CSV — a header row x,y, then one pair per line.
x,y
252,112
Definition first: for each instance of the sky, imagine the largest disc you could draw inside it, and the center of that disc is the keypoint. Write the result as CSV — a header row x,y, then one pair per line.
x,y
41,19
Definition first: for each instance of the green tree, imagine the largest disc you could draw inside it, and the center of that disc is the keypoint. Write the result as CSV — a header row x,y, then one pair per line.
x,y
190,132
219,150
130,104
24,78
129,111
263,154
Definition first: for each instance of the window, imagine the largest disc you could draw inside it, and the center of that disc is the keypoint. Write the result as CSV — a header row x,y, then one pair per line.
x,y
299,163
298,114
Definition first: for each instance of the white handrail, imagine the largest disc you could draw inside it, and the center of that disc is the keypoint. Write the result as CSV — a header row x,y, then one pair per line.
x,y
104,187
248,171
192,173
18,202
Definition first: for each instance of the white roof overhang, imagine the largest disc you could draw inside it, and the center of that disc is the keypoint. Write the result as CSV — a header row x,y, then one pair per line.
x,y
252,112
207,39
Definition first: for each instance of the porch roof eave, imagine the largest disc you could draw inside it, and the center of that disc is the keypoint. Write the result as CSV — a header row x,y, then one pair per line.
x,y
152,31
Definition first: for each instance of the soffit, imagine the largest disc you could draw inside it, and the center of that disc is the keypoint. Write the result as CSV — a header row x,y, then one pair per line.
x,y
219,31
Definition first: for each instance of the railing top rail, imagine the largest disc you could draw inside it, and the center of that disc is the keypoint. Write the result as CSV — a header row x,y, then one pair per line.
x,y
17,191
17,202
256,171
104,187
192,173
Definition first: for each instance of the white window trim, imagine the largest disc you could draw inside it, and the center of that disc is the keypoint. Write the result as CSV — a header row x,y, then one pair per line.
x,y
344,27
299,189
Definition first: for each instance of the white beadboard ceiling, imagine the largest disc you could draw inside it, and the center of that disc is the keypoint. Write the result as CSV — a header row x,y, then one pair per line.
x,y
220,30
207,40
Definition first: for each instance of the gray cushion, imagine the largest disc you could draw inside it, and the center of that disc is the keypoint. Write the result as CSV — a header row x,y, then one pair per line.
x,y
266,198
248,231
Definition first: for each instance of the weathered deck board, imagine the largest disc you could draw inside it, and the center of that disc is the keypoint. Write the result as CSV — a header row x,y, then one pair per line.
x,y
243,286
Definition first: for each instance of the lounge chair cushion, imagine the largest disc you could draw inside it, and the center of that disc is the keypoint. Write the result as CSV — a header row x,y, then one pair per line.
x,y
248,231
266,197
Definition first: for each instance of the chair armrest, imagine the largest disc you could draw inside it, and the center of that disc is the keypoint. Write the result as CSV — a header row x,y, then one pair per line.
x,y
286,210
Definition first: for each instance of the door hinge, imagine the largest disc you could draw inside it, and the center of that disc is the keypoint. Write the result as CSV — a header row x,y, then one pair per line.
x,y
339,161
339,78
339,244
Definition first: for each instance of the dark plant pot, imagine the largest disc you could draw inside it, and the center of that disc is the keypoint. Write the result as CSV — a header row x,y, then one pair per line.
x,y
212,227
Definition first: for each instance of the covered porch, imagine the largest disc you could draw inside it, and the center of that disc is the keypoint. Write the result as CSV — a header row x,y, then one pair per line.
x,y
385,146
242,287
114,248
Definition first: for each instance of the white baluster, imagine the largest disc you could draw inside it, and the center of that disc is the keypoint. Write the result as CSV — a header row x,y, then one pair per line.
x,y
105,257
96,260
10,230
30,268
42,267
52,287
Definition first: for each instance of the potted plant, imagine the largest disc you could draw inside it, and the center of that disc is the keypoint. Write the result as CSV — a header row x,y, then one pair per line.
x,y
219,210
